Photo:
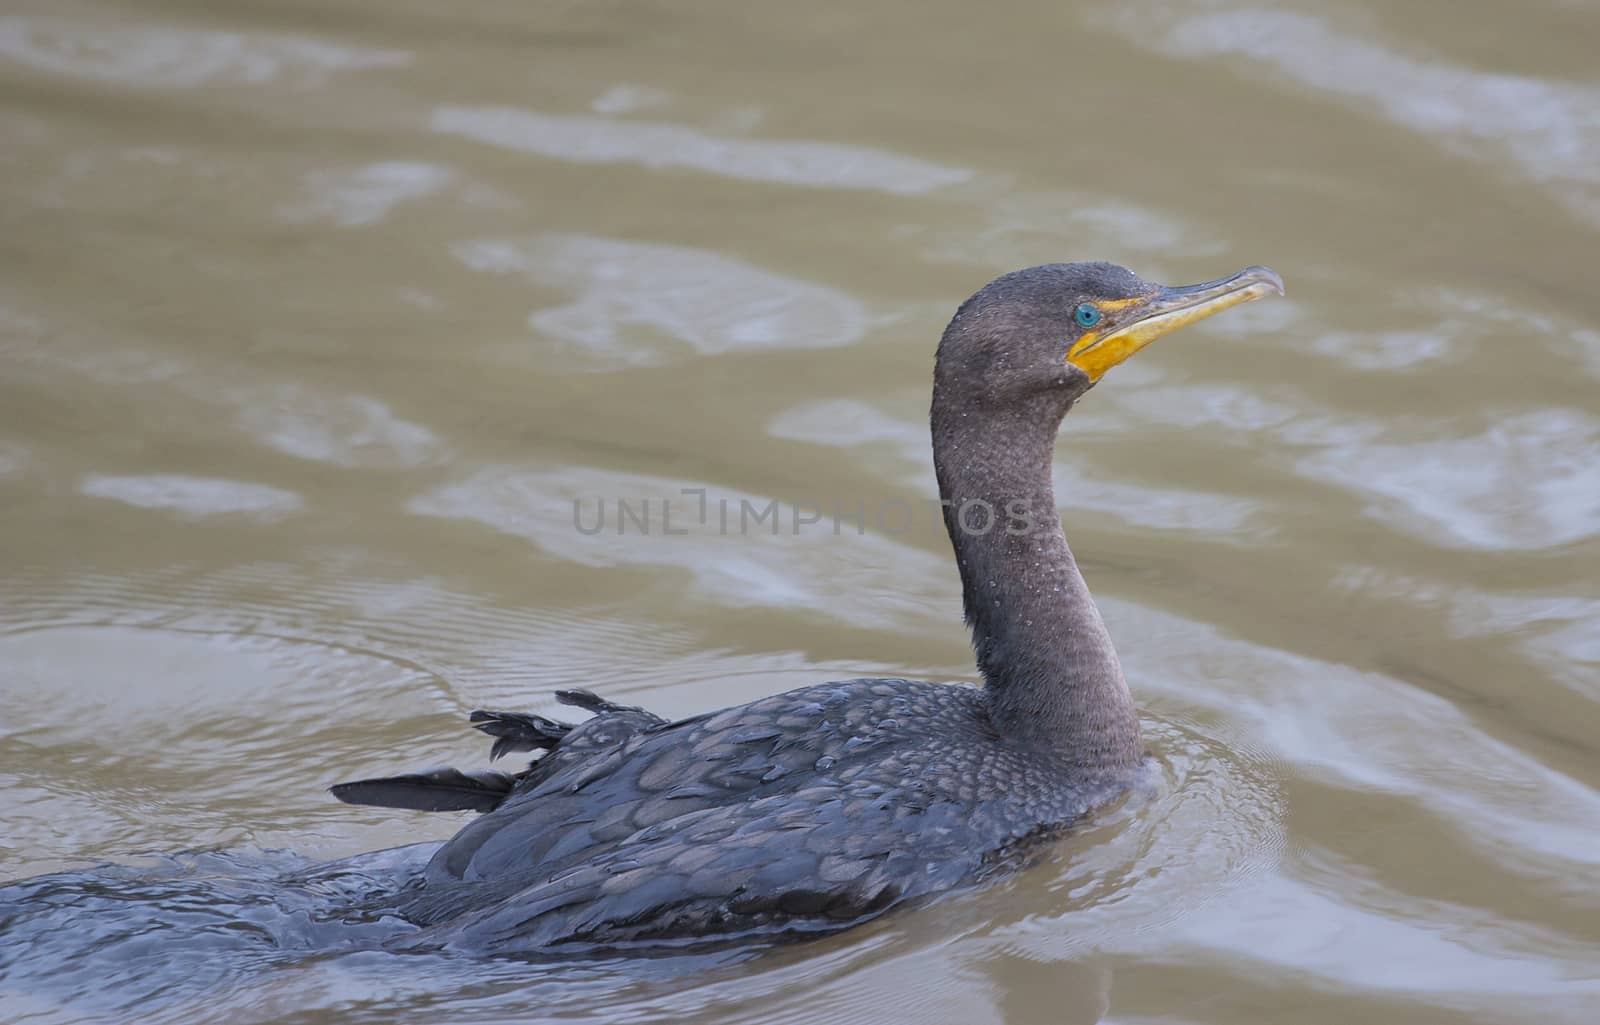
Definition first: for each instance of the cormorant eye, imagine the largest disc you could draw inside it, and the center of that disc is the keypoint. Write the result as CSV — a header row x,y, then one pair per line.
x,y
1087,315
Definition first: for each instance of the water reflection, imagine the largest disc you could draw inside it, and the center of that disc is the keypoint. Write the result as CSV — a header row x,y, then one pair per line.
x,y
13,457
1547,129
1374,734
194,497
1526,481
737,547
1028,227
630,294
361,196
658,144
346,430
171,57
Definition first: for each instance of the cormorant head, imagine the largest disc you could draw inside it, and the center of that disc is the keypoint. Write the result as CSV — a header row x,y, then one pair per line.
x,y
1050,332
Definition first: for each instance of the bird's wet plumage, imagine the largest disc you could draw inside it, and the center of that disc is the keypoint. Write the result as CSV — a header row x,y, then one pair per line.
x,y
810,811
800,813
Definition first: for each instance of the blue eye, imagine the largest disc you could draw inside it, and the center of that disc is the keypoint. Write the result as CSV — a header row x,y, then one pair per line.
x,y
1087,315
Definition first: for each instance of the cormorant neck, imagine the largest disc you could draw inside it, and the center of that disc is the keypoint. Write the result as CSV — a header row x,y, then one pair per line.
x,y
1050,672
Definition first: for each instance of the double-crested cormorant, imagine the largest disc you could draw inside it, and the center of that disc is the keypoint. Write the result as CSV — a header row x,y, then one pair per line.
x,y
811,811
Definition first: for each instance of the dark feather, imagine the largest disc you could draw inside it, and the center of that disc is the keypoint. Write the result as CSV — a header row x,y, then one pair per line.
x,y
589,701
434,790
518,731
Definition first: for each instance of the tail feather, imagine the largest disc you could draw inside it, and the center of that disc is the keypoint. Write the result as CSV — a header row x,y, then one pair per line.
x,y
454,790
518,731
589,701
433,790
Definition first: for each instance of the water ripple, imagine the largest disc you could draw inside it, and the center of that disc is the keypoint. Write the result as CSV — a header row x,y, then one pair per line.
x,y
703,299
346,430
13,457
168,57
1549,130
729,553
193,497
1526,481
586,139
363,196
1367,731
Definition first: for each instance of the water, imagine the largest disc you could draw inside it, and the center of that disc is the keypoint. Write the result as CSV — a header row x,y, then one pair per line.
x,y
316,319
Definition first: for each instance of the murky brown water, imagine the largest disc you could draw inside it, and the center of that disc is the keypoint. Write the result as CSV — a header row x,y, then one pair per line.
x,y
315,319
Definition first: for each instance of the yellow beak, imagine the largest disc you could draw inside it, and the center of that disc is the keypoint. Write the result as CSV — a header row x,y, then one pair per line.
x,y
1137,323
